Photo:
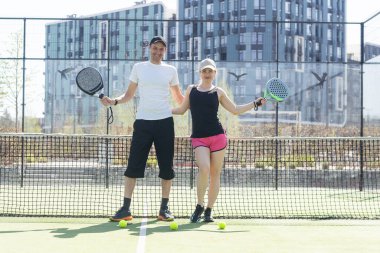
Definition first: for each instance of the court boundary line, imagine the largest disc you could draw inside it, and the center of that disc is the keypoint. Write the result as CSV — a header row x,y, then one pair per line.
x,y
142,236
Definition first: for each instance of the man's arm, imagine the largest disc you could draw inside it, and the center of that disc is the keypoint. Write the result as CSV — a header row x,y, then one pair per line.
x,y
128,95
177,94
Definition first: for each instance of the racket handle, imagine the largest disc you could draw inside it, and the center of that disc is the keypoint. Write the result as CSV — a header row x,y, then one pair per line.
x,y
101,95
256,107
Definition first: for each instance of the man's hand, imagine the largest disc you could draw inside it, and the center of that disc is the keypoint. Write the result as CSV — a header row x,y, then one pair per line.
x,y
106,101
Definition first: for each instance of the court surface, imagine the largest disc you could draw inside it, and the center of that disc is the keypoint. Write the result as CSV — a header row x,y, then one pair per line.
x,y
94,235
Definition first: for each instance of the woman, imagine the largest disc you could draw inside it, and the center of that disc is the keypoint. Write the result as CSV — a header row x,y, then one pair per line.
x,y
208,136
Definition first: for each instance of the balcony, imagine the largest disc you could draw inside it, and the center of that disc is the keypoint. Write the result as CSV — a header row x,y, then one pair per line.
x,y
210,17
240,47
144,28
209,34
223,50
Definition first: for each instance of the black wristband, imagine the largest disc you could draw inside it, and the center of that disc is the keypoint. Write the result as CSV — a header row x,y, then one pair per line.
x,y
258,102
116,101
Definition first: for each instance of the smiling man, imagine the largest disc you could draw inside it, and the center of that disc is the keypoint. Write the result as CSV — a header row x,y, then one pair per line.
x,y
154,124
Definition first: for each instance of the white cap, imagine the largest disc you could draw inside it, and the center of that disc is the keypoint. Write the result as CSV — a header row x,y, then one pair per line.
x,y
207,64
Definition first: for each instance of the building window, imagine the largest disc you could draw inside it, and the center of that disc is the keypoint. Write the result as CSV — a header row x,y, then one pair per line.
x,y
223,41
254,38
241,55
256,4
172,48
208,43
243,4
216,43
287,7
187,29
287,25
308,13
259,38
262,4
254,55
259,55
329,34
222,6
241,38
256,18
243,18
209,26
187,13
210,9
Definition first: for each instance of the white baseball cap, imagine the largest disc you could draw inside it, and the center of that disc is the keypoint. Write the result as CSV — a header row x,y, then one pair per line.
x,y
207,64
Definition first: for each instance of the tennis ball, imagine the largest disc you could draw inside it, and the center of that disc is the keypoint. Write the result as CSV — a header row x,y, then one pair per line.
x,y
123,224
174,226
222,225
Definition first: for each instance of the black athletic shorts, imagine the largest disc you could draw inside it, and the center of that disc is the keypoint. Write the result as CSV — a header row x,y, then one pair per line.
x,y
145,133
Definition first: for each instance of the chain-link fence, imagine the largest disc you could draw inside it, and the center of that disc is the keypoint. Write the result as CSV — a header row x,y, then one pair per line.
x,y
330,67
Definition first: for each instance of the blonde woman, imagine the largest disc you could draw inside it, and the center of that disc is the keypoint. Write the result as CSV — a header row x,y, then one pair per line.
x,y
208,137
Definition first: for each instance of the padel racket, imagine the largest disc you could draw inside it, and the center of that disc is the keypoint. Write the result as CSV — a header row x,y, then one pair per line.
x,y
275,90
90,81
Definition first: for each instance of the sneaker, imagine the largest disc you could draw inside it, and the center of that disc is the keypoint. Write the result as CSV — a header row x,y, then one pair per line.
x,y
208,217
165,215
122,214
196,216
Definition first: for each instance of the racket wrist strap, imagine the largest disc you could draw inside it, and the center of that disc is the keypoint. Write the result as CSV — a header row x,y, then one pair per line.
x,y
116,102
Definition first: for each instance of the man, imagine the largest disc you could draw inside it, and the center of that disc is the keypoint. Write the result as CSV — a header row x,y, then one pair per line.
x,y
153,124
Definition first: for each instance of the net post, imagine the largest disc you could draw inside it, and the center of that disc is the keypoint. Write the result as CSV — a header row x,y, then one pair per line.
x,y
192,171
361,171
107,164
22,161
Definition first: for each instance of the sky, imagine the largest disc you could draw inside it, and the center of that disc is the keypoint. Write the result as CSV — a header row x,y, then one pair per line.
x,y
357,10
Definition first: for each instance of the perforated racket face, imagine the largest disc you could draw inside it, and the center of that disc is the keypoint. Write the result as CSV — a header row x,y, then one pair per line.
x,y
277,89
89,80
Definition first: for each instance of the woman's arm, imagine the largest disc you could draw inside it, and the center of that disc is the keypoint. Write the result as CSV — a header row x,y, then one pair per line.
x,y
230,106
180,110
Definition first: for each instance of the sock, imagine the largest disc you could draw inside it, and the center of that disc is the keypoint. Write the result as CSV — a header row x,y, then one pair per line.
x,y
127,203
164,203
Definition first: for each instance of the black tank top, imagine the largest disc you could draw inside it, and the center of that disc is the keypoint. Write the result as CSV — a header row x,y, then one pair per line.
x,y
204,113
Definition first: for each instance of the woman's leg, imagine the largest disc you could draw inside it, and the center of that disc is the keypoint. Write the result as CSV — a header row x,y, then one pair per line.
x,y
202,158
216,165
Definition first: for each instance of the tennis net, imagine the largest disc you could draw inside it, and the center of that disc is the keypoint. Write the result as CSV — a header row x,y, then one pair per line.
x,y
82,176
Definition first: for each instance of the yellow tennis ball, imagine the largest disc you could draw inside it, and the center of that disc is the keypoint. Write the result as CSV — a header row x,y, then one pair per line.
x,y
222,225
173,225
123,224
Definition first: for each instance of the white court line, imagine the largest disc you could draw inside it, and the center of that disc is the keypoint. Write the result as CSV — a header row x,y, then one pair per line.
x,y
142,236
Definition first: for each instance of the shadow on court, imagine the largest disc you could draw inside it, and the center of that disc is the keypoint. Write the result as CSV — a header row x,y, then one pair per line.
x,y
134,229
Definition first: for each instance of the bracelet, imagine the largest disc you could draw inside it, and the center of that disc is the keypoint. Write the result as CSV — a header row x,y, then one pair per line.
x,y
116,101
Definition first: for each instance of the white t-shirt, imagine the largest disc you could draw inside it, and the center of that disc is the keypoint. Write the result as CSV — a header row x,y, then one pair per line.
x,y
154,81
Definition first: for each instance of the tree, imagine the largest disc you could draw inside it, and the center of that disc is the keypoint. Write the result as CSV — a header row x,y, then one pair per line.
x,y
11,75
